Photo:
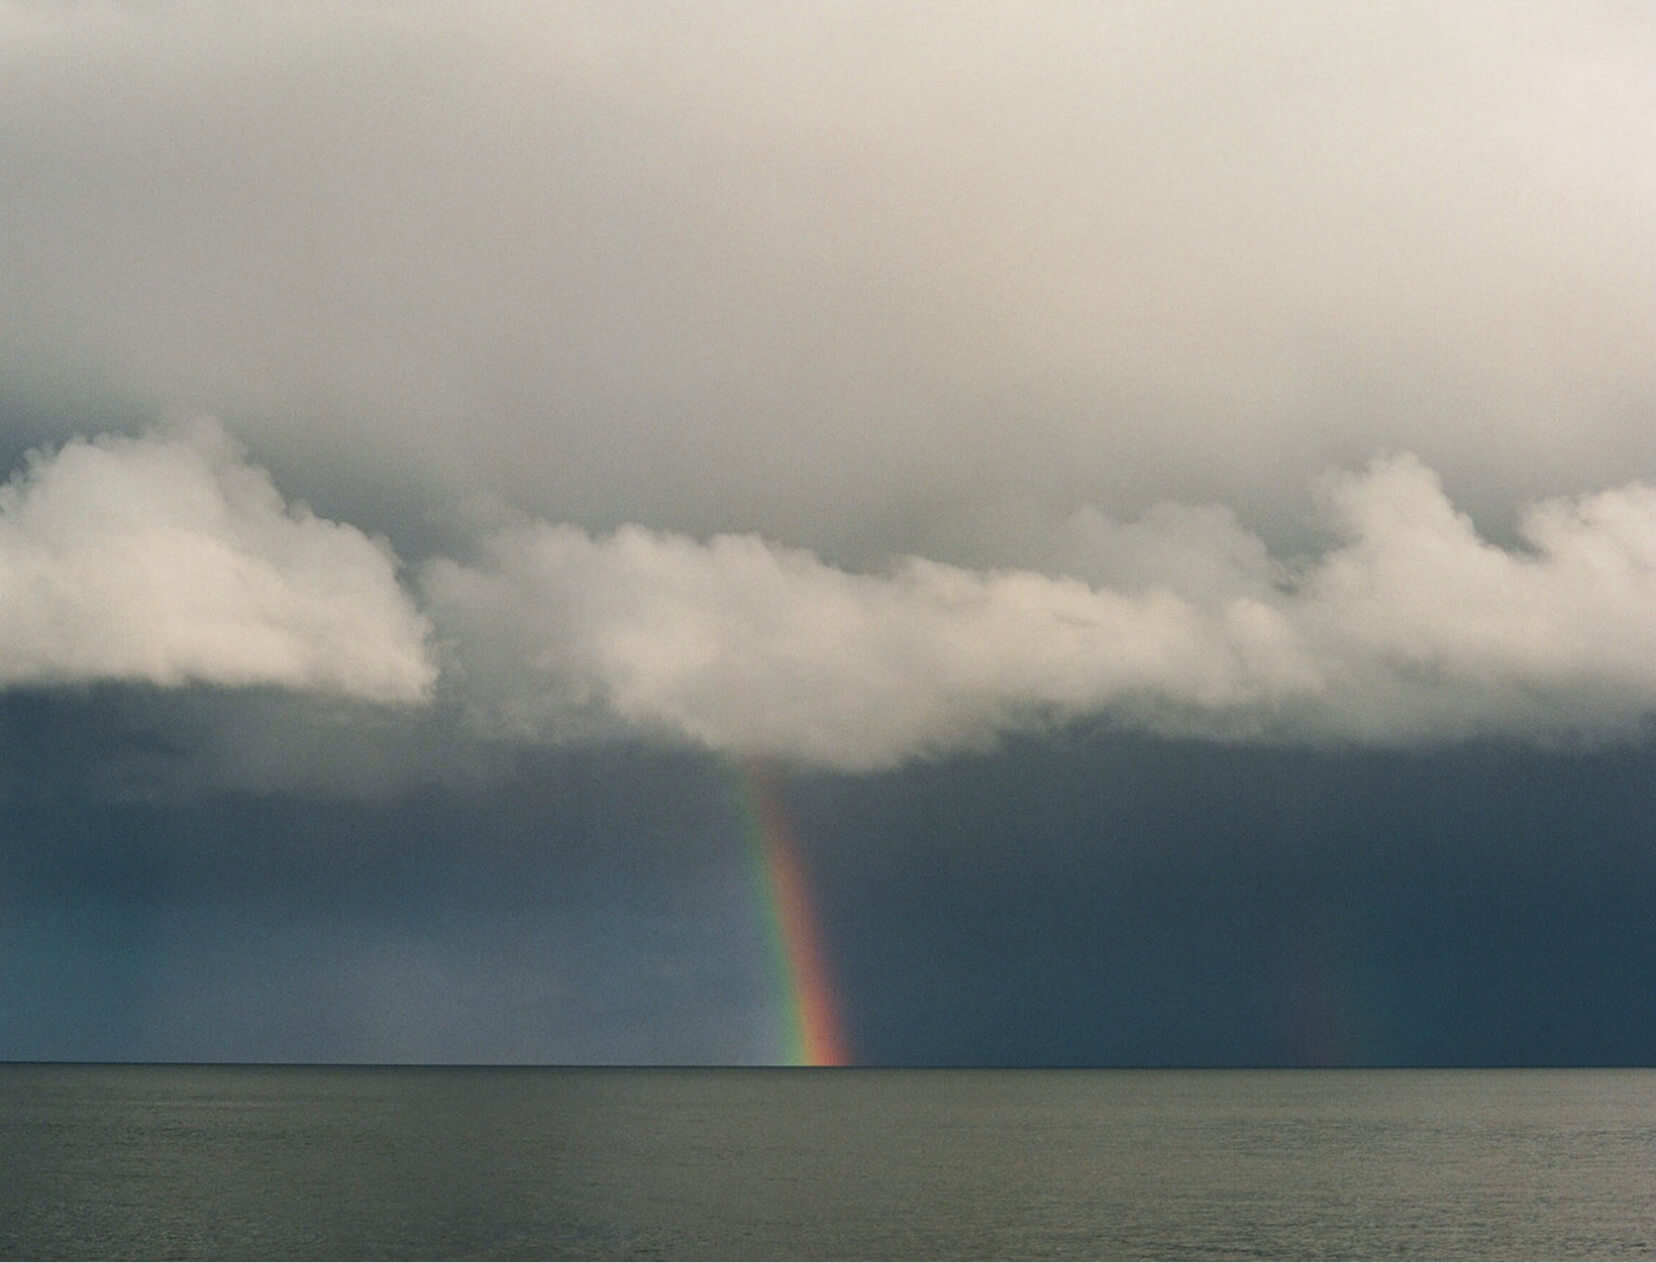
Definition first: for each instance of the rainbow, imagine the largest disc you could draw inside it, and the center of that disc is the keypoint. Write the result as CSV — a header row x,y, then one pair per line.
x,y
812,1034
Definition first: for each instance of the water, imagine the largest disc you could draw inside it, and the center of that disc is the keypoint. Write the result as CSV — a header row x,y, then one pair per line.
x,y
180,1162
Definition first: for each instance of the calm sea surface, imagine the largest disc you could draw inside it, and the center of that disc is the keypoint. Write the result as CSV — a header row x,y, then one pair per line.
x,y
181,1162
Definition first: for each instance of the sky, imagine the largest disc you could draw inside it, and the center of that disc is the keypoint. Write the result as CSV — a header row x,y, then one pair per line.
x,y
989,534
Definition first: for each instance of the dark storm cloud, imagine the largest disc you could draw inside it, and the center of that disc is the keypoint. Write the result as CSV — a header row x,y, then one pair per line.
x,y
1130,902
1081,900
593,908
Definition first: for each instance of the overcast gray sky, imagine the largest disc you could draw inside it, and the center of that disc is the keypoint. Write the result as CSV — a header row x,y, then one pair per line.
x,y
859,277
390,394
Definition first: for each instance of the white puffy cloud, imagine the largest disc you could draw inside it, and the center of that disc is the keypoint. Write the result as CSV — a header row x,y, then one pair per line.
x,y
168,559
1410,628
1432,631
737,644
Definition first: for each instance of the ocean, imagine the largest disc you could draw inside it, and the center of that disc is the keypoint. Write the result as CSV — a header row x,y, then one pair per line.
x,y
390,1162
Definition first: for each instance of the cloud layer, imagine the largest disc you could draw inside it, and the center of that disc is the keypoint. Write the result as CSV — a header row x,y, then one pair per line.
x,y
848,383
169,560
1411,628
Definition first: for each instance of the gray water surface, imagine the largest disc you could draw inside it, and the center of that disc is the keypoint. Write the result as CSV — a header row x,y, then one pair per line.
x,y
313,1162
